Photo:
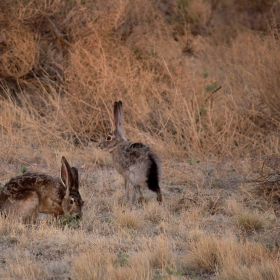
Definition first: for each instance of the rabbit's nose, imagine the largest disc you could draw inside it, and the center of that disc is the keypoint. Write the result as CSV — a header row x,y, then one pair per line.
x,y
79,216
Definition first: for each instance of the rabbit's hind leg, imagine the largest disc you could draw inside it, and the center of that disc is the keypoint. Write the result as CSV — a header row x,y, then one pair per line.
x,y
140,194
126,186
29,208
25,206
137,193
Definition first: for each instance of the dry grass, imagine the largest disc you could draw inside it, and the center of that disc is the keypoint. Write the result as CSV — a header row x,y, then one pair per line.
x,y
231,259
64,63
179,239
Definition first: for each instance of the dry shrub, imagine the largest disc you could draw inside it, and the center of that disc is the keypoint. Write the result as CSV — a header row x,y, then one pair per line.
x,y
270,190
93,53
251,64
145,31
78,57
197,12
19,55
267,185
260,67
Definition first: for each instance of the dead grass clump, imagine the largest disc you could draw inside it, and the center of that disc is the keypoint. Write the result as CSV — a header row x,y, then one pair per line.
x,y
128,218
230,258
251,261
177,205
140,263
122,273
153,212
204,252
24,268
99,263
161,256
10,227
267,270
93,264
250,220
206,201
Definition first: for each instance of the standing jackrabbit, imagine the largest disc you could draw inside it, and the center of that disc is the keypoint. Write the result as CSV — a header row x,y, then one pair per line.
x,y
136,162
29,194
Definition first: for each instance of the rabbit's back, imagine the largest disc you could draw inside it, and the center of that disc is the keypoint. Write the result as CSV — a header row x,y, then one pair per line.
x,y
30,189
135,160
42,184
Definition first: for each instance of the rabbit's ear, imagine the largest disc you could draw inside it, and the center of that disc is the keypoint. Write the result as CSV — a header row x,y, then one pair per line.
x,y
75,176
118,118
66,174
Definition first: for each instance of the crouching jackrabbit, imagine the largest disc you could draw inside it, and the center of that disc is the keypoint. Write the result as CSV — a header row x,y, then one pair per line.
x,y
136,162
29,194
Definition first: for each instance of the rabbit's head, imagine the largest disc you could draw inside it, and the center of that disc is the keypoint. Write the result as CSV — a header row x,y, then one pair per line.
x,y
72,202
110,142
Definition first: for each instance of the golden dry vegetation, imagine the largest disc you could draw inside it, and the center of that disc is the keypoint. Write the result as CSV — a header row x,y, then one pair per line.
x,y
200,84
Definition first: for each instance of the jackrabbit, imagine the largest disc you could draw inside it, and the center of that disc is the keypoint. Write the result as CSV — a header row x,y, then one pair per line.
x,y
136,162
29,194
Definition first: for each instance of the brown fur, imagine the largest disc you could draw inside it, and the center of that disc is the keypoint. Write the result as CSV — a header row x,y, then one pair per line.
x,y
136,162
29,194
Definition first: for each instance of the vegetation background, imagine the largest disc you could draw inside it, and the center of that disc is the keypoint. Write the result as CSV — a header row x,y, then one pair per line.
x,y
200,84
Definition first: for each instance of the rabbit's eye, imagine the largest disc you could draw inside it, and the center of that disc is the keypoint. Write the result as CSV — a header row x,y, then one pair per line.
x,y
72,200
109,138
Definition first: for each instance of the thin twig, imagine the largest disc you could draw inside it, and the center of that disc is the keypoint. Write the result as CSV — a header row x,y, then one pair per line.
x,y
58,34
212,94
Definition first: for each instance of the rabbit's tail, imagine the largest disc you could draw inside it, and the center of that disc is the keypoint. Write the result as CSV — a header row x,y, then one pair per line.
x,y
153,174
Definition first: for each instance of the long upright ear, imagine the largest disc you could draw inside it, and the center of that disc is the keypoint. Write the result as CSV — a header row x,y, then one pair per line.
x,y
118,118
66,174
75,176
